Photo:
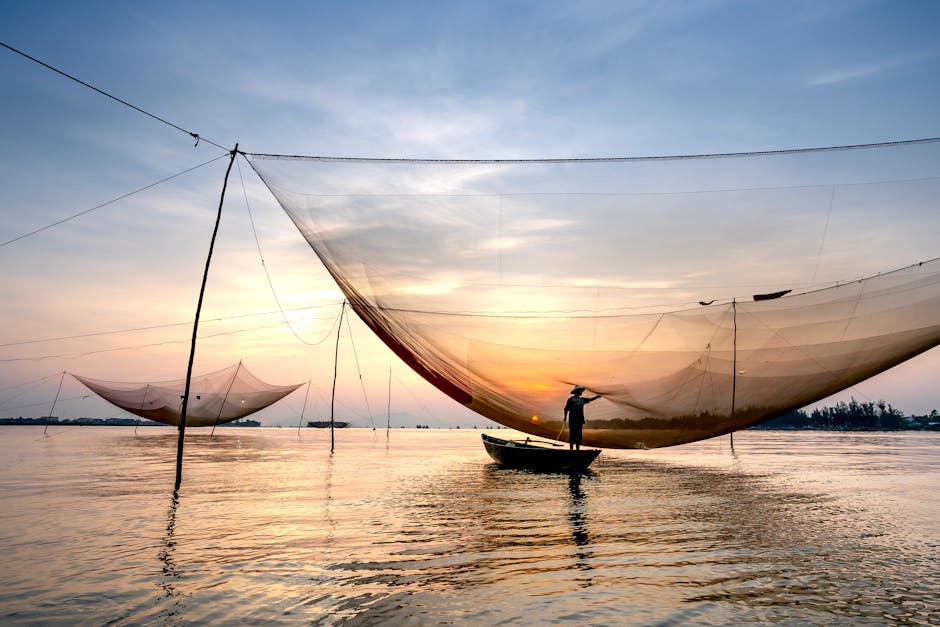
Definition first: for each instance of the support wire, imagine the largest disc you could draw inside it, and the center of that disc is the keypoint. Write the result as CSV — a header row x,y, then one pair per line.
x,y
54,401
195,136
110,202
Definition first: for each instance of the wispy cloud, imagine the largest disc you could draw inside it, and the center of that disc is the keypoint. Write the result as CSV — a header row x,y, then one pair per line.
x,y
857,73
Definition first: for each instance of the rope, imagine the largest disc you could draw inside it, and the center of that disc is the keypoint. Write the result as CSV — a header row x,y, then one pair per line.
x,y
110,202
38,403
139,346
716,155
195,136
225,398
32,382
166,326
143,402
300,422
588,315
799,348
721,155
424,408
264,266
56,400
825,233
359,371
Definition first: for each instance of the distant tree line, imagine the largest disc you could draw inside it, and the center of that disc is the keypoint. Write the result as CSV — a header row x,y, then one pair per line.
x,y
854,416
109,422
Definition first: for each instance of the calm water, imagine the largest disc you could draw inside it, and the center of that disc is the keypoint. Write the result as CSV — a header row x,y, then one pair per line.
x,y
269,528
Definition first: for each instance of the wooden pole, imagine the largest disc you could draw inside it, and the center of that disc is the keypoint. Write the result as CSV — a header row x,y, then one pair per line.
x,y
734,361
339,328
388,414
192,347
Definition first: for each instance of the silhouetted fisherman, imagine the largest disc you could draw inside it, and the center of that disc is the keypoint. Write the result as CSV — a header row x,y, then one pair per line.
x,y
575,409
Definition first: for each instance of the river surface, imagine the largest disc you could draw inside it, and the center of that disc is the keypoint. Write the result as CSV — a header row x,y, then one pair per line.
x,y
418,527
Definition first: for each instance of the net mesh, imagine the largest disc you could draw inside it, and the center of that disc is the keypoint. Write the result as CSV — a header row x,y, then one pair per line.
x,y
214,398
654,283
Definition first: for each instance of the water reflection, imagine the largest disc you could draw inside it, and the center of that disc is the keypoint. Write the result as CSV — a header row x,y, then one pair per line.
x,y
652,534
270,529
170,572
328,518
577,518
381,536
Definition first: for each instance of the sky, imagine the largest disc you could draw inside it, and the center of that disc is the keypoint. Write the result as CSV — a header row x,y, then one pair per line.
x,y
470,80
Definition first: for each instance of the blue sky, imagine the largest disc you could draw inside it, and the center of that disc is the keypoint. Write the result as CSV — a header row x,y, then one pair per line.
x,y
417,79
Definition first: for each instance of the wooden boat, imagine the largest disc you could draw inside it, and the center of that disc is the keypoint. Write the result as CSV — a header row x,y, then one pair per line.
x,y
325,424
530,456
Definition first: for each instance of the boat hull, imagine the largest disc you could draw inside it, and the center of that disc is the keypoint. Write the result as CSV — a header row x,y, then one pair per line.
x,y
537,458
325,424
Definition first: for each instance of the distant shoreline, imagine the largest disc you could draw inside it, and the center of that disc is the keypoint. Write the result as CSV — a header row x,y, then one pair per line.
x,y
843,430
132,422
107,422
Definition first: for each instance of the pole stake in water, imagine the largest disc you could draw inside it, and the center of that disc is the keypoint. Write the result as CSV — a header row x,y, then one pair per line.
x,y
339,328
192,347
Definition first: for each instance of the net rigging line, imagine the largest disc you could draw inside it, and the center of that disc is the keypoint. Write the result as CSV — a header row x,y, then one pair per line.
x,y
799,349
165,326
192,134
354,413
56,400
300,421
424,408
163,343
588,314
714,155
29,386
111,202
228,391
264,266
80,397
359,371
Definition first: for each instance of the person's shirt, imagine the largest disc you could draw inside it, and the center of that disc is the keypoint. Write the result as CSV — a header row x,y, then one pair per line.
x,y
575,407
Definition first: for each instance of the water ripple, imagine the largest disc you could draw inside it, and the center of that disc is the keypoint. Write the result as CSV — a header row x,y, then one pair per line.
x,y
270,528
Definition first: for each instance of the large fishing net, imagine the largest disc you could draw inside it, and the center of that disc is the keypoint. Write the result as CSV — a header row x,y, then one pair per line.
x,y
214,398
698,295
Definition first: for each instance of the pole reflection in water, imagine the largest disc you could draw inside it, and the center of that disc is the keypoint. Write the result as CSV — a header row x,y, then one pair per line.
x,y
171,574
328,519
579,526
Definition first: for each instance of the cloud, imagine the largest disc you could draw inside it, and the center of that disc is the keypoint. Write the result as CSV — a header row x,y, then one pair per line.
x,y
857,73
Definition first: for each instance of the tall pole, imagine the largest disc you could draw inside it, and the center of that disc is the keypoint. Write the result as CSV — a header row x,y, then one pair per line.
x,y
734,361
339,328
388,415
192,347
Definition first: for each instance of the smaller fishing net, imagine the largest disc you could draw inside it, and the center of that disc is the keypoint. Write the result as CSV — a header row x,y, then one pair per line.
x,y
221,396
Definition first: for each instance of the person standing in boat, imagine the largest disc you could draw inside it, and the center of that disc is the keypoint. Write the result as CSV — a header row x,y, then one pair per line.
x,y
574,409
